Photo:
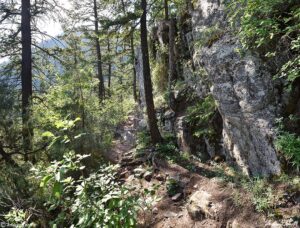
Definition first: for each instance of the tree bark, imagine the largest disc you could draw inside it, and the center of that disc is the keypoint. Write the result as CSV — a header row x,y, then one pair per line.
x,y
172,66
134,71
26,76
99,56
109,66
166,7
6,157
152,120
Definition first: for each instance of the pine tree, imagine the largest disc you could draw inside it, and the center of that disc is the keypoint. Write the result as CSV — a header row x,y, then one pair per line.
x,y
26,75
152,120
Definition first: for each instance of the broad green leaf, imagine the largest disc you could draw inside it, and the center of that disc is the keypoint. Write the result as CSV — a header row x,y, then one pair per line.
x,y
48,134
57,190
45,180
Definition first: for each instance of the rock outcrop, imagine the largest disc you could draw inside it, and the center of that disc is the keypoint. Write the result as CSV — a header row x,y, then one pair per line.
x,y
243,89
201,206
242,86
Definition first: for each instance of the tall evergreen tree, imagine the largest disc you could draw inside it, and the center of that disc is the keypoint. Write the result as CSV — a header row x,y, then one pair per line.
x,y
26,75
98,50
152,120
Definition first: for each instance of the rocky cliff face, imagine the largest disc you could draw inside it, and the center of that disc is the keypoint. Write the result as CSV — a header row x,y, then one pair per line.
x,y
242,87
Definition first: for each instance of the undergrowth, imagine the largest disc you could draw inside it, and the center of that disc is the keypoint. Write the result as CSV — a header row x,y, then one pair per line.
x,y
261,192
199,115
170,151
262,24
167,150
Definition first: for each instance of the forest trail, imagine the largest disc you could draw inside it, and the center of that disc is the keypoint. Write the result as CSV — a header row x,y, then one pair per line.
x,y
124,140
203,199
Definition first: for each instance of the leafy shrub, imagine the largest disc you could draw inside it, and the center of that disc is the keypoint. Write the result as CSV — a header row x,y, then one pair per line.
x,y
291,69
173,187
262,195
16,217
169,151
63,191
160,76
95,201
16,194
148,197
73,98
289,144
262,23
143,140
199,116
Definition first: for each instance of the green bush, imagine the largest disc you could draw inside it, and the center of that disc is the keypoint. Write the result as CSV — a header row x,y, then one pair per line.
x,y
160,76
262,195
143,139
199,116
170,151
71,98
93,201
173,187
261,24
289,145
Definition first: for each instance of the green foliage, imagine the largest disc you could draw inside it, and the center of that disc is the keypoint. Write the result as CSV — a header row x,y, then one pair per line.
x,y
68,121
143,140
160,76
17,217
93,201
173,187
13,192
74,96
209,36
289,145
10,118
258,23
261,24
199,116
148,197
259,190
291,69
262,195
169,151
160,100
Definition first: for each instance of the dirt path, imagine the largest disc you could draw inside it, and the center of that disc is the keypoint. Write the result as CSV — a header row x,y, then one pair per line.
x,y
205,201
124,141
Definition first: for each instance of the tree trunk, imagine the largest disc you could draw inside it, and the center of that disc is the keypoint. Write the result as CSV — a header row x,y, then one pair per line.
x,y
99,57
26,76
134,71
152,120
109,66
172,66
166,7
6,157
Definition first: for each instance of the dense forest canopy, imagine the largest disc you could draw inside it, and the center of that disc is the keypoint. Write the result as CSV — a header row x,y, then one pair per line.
x,y
149,113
